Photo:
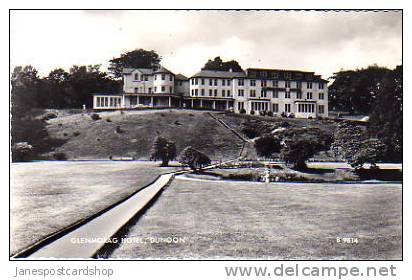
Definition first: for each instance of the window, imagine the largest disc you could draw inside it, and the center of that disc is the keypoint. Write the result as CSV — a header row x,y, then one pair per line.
x,y
252,83
228,82
163,76
215,82
264,83
202,92
111,102
287,94
306,108
155,89
309,85
275,94
163,88
150,90
321,109
298,84
287,84
241,82
136,90
321,85
321,95
240,105
223,82
299,95
240,92
228,92
171,89
263,93
288,75
196,92
275,107
210,82
252,93
170,78
309,95
210,92
146,78
136,77
275,84
106,101
196,81
287,108
202,81
215,92
223,92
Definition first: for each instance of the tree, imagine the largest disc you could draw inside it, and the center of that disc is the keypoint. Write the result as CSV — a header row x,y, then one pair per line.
x,y
22,151
193,158
217,64
25,83
386,122
163,149
138,58
356,90
300,144
352,144
267,145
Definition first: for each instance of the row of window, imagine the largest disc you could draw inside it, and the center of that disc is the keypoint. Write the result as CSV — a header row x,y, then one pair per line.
x,y
162,77
253,83
265,106
211,92
150,90
109,102
275,94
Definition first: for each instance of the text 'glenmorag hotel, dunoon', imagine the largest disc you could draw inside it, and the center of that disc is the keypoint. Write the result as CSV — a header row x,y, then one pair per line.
x,y
283,92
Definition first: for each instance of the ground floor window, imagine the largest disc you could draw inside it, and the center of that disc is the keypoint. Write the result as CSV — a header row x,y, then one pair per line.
x,y
260,106
321,109
108,102
287,108
306,108
275,107
240,105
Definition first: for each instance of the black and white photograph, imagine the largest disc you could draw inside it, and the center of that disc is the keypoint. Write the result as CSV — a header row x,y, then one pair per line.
x,y
206,135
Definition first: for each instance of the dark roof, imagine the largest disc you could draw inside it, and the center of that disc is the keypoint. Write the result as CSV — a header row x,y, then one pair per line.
x,y
163,70
218,74
181,77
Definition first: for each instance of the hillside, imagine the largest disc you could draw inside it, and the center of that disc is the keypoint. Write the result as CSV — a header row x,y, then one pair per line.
x,y
131,133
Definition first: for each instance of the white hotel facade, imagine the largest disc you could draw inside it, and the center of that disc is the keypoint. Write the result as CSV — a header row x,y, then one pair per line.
x,y
282,92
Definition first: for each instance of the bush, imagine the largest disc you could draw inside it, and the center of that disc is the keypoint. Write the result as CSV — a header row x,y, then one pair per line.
x,y
285,124
163,149
119,129
252,112
270,114
267,145
21,152
59,156
242,111
193,158
262,113
291,115
95,117
108,120
283,115
76,133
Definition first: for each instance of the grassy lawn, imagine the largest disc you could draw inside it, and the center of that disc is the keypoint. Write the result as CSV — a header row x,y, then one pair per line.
x,y
270,221
47,196
83,137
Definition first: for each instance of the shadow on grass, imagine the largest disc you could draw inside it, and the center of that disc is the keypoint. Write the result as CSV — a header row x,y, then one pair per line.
x,y
315,170
380,174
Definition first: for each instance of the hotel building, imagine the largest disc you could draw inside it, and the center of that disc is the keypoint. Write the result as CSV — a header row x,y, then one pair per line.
x,y
283,92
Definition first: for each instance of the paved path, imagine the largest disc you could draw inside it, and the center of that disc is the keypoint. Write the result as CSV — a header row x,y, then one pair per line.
x,y
102,227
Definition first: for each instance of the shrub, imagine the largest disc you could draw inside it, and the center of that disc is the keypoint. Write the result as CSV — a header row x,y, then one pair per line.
x,y
76,133
252,112
270,114
119,129
242,111
95,117
262,113
267,145
193,158
108,120
21,152
284,124
291,115
283,115
59,156
163,149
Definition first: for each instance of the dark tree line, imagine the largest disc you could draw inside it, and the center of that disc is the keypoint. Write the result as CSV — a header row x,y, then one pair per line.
x,y
217,64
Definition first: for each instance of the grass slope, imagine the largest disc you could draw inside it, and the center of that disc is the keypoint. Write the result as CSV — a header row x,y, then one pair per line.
x,y
87,138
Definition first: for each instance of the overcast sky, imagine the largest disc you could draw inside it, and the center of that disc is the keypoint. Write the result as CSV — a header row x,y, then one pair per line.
x,y
324,42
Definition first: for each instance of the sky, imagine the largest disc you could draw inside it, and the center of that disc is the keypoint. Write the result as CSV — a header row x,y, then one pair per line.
x,y
318,41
